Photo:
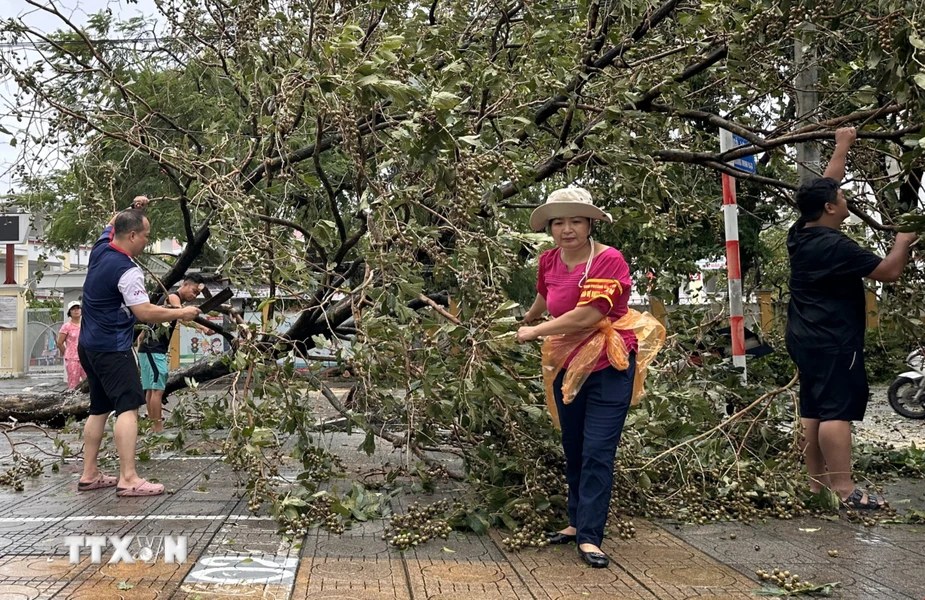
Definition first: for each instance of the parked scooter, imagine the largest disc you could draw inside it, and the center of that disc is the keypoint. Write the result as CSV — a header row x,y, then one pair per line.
x,y
907,392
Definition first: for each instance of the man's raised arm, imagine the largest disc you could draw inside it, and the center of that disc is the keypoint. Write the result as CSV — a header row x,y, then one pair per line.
x,y
139,203
844,139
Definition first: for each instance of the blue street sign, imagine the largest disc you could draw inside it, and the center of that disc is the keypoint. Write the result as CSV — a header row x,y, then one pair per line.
x,y
746,163
729,141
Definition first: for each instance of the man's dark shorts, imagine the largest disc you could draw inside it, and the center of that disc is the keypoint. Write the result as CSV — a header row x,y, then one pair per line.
x,y
115,384
833,385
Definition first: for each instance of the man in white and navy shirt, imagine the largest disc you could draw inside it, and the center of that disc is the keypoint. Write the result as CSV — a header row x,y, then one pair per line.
x,y
114,296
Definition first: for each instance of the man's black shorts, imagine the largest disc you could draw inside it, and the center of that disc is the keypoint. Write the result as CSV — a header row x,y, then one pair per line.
x,y
833,385
115,384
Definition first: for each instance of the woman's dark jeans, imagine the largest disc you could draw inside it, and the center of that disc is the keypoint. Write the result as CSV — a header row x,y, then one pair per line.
x,y
591,428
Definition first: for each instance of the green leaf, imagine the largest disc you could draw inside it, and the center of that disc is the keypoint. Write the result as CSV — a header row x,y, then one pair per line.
x,y
262,437
124,585
825,590
919,79
369,444
444,100
472,140
477,523
496,385
392,42
509,305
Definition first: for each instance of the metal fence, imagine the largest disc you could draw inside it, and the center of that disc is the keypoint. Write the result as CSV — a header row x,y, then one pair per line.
x,y
41,352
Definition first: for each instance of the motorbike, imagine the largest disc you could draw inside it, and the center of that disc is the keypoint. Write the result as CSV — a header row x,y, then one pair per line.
x,y
907,392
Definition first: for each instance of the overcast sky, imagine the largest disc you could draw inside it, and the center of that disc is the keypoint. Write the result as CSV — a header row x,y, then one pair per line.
x,y
77,11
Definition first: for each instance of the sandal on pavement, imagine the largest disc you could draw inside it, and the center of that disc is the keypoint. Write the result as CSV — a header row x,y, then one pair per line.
x,y
103,481
145,488
854,501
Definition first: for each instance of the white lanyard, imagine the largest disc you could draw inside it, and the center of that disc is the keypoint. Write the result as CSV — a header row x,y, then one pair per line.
x,y
584,277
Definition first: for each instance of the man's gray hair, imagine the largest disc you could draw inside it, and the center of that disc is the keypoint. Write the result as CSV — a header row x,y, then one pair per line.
x,y
129,221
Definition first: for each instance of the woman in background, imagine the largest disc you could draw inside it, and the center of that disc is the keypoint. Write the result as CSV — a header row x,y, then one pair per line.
x,y
67,345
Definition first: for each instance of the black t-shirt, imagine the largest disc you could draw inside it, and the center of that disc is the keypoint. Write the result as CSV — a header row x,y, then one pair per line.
x,y
827,305
157,339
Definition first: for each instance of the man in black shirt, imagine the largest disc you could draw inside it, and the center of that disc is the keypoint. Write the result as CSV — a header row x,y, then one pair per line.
x,y
153,348
825,324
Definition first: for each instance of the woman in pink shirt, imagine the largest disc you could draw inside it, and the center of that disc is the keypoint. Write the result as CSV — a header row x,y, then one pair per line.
x,y
67,345
580,283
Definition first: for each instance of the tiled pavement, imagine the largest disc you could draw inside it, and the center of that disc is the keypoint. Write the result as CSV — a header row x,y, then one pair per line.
x,y
233,554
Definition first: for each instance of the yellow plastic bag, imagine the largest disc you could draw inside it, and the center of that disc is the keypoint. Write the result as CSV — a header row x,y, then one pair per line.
x,y
650,336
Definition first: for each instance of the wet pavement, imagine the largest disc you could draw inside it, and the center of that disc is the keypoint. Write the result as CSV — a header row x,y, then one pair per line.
x,y
234,554
40,382
882,424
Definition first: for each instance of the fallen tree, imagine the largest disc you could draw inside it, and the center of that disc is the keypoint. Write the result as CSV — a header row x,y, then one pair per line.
x,y
352,157
44,406
48,406
301,186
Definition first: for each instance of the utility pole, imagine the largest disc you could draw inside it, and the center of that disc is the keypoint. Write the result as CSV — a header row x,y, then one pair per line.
x,y
807,98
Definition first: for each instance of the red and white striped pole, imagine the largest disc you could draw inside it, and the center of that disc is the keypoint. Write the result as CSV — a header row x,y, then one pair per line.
x,y
734,274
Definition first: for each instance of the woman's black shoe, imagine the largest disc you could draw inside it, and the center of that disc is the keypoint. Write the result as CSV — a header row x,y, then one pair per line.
x,y
595,560
557,538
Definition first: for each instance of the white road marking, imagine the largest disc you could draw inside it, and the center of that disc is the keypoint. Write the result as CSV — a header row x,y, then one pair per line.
x,y
133,518
250,570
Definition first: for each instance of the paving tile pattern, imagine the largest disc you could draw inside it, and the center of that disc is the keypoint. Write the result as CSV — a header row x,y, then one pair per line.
x,y
235,555
878,562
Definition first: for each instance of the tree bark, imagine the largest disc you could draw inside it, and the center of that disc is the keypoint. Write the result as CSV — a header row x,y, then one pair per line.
x,y
44,406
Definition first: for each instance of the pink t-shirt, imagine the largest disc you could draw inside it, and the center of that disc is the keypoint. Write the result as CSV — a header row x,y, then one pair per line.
x,y
70,348
607,289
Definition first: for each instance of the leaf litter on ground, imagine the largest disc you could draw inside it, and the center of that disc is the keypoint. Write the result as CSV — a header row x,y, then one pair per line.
x,y
824,590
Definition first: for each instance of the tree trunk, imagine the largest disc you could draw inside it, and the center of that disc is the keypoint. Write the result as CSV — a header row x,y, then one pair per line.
x,y
45,406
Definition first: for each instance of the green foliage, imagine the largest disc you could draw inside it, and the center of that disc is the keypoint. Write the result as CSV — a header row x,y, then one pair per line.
x,y
521,287
909,462
53,303
360,159
823,590
773,272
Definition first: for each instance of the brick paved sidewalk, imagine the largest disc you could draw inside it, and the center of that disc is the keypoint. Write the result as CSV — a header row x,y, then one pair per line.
x,y
233,554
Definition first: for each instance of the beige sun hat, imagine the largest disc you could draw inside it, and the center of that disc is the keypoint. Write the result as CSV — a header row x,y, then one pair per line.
x,y
564,203
71,305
